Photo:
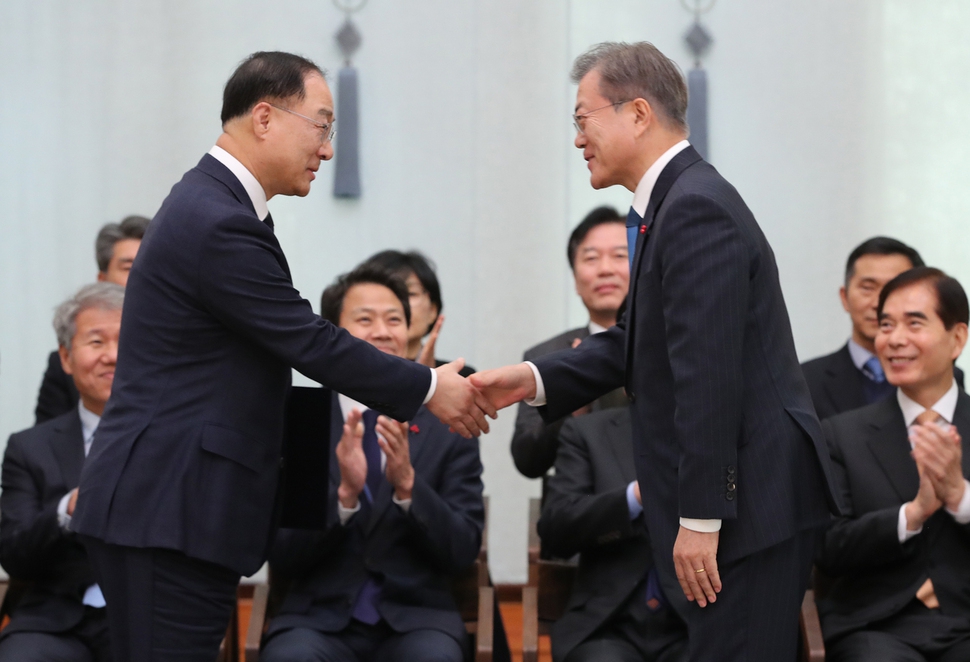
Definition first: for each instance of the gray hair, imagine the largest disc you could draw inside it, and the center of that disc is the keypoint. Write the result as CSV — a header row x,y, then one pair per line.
x,y
638,71
131,227
102,296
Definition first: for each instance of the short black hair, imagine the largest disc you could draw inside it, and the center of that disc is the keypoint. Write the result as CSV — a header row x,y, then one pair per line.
x,y
332,299
880,246
265,75
951,300
598,216
131,227
413,262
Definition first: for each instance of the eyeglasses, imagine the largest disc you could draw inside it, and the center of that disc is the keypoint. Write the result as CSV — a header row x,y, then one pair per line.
x,y
580,120
327,131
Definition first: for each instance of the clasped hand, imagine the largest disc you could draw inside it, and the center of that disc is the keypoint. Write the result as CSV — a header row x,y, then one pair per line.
x,y
938,454
392,437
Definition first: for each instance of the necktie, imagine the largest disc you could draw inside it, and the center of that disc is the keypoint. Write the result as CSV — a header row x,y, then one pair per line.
x,y
365,606
926,593
633,222
875,387
372,451
269,221
655,596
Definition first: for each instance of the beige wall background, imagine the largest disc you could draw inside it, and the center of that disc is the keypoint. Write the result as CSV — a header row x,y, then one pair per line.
x,y
835,120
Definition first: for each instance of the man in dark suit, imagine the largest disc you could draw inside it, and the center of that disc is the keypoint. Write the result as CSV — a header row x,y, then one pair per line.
x,y
730,456
852,376
60,615
597,255
376,583
115,249
616,611
900,556
177,497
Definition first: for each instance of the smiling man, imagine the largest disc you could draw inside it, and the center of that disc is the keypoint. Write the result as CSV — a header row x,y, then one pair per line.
x,y
177,497
900,556
730,457
852,377
61,615
406,514
598,257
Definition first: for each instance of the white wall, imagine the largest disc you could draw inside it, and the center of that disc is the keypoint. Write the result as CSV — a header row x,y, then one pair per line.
x,y
835,121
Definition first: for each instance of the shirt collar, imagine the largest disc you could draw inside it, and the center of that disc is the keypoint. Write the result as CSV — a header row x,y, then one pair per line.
x,y
89,423
246,178
641,197
859,354
595,328
945,406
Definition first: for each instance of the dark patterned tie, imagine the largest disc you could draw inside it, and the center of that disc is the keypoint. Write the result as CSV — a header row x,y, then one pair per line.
x,y
372,451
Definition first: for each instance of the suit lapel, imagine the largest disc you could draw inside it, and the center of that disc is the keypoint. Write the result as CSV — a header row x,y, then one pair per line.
x,y
211,166
683,160
383,498
961,419
68,448
618,437
889,443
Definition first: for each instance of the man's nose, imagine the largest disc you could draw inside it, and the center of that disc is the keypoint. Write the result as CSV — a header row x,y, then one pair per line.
x,y
110,355
326,151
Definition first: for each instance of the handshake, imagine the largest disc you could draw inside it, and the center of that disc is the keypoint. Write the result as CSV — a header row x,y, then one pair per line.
x,y
464,405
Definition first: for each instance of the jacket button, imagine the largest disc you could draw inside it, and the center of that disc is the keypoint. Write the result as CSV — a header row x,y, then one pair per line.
x,y
730,470
731,487
729,496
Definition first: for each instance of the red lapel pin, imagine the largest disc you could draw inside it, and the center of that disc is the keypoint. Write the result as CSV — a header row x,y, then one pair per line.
x,y
643,229
414,429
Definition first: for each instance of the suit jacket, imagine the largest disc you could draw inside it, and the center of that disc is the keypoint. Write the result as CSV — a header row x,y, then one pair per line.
x,y
874,575
57,395
723,423
187,454
416,553
586,512
534,442
836,384
40,466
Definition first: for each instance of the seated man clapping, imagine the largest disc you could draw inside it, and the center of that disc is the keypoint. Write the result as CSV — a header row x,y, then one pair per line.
x,y
406,515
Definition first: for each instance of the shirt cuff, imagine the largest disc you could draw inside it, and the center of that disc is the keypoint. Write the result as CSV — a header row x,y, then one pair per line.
x,y
902,531
701,525
431,389
540,398
346,513
631,501
962,513
405,504
62,517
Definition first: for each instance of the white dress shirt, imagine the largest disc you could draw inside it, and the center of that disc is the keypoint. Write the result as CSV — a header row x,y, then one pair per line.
x,y
258,197
944,408
347,405
89,423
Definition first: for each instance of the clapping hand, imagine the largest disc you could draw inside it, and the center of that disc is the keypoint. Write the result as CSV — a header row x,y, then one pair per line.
x,y
393,439
426,355
352,461
939,457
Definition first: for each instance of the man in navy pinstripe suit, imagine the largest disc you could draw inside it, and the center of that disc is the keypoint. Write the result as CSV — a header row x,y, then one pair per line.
x,y
730,456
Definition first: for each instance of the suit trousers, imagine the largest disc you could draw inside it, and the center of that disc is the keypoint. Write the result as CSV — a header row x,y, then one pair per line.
x,y
162,605
86,642
916,634
359,642
755,618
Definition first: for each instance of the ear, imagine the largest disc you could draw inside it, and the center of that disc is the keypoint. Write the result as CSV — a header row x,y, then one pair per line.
x,y
260,117
65,356
643,115
844,298
102,276
960,339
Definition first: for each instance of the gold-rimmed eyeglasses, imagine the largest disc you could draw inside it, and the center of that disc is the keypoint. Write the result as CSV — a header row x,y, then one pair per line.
x,y
327,131
579,121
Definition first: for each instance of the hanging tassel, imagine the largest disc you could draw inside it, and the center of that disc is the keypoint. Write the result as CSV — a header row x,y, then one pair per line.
x,y
697,110
346,181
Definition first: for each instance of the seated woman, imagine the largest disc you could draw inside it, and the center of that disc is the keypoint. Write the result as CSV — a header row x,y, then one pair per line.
x,y
424,295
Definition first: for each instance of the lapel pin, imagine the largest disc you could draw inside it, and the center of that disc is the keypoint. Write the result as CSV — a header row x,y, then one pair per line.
x,y
415,429
643,229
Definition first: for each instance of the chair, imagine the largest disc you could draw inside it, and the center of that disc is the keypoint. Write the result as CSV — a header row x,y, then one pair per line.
x,y
544,600
472,592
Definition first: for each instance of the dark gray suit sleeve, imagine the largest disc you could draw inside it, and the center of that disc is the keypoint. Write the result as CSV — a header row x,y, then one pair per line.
x,y
576,518
854,542
29,530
